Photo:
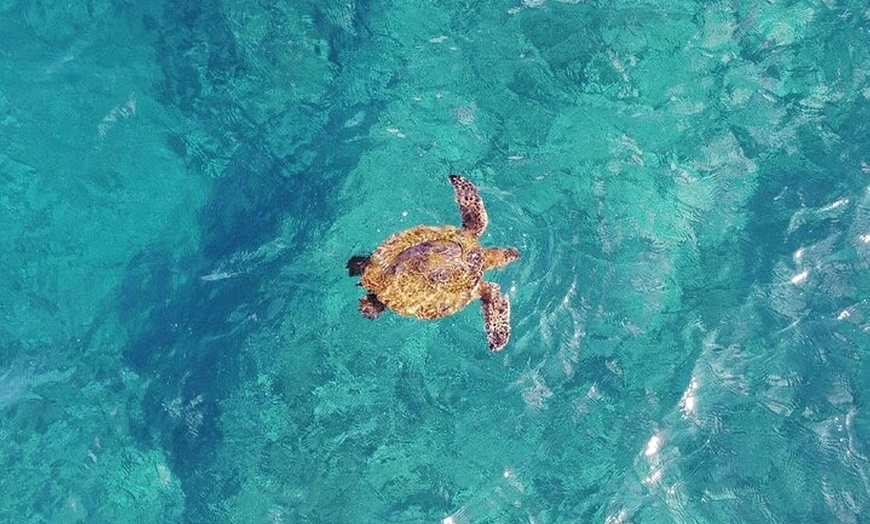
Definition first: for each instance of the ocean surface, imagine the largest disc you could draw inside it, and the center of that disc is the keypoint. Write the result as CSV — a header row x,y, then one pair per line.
x,y
181,184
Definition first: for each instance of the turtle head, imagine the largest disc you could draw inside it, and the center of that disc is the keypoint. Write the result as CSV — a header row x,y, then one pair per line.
x,y
494,258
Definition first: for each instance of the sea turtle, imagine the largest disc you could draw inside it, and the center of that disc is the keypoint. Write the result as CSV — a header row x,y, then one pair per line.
x,y
431,272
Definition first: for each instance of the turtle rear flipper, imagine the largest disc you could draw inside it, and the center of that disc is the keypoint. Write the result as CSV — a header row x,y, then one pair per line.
x,y
370,306
356,265
474,218
496,315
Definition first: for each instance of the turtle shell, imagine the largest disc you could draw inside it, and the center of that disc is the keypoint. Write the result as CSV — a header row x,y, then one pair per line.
x,y
426,272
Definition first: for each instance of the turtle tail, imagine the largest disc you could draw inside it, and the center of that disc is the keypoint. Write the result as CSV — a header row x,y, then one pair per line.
x,y
357,264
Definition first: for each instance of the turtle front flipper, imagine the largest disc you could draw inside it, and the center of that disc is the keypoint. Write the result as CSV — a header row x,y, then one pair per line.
x,y
496,315
474,218
496,257
370,306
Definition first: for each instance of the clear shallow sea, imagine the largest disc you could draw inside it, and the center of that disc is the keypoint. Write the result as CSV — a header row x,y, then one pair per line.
x,y
181,185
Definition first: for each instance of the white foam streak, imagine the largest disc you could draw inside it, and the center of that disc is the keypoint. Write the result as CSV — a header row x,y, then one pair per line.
x,y
799,277
654,445
507,493
246,261
689,400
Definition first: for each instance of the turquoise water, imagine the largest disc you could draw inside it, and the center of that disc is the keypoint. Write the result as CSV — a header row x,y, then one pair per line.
x,y
182,183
